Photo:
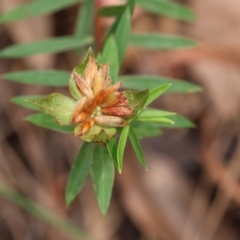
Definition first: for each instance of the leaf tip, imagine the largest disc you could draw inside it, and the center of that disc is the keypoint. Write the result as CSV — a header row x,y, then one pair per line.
x,y
195,89
193,125
26,119
68,199
68,202
104,212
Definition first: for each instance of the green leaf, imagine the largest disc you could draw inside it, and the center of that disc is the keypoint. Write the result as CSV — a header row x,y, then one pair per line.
x,y
102,173
51,45
156,92
146,129
110,55
137,101
111,11
168,8
131,4
179,122
85,20
112,149
155,116
64,225
153,113
160,41
121,29
121,147
137,147
80,70
157,120
46,121
59,106
140,82
79,172
47,77
21,101
35,8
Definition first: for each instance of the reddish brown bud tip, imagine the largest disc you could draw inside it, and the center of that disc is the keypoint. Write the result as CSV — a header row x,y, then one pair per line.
x,y
117,111
82,86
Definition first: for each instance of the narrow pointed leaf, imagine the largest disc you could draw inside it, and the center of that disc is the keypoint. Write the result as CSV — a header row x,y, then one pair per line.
x,y
156,92
155,116
121,29
35,8
179,122
137,147
157,120
111,11
142,82
153,113
137,101
21,101
59,106
146,129
51,219
112,149
121,147
85,19
160,41
110,55
131,4
45,78
51,45
46,121
79,172
102,173
168,8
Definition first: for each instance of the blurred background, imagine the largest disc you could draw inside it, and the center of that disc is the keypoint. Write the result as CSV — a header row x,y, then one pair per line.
x,y
191,190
